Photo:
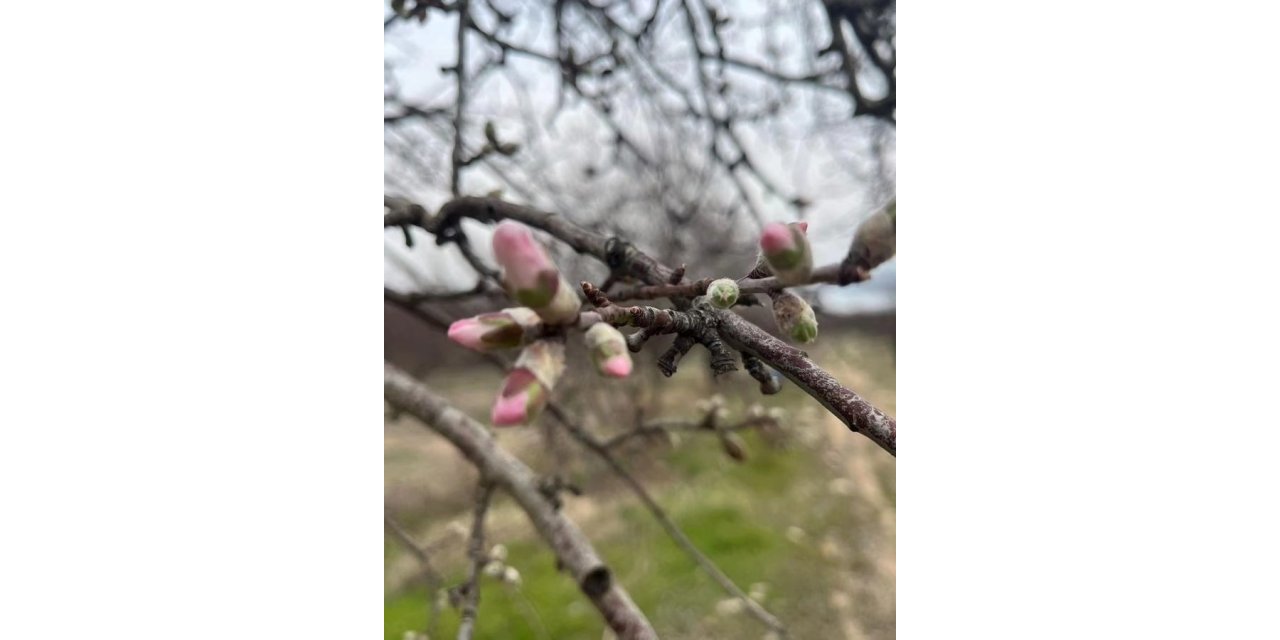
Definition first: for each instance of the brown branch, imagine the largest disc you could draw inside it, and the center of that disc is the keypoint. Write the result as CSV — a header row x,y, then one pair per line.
x,y
433,577
624,258
398,532
829,274
857,414
570,546
671,426
460,101
475,550
674,532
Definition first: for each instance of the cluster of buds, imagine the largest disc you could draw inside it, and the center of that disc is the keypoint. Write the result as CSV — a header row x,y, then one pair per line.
x,y
533,280
497,566
784,249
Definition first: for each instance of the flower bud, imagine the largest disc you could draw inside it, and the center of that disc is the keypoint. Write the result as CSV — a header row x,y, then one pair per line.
x,y
526,389
795,317
530,275
608,349
733,446
504,329
511,576
874,242
785,248
722,293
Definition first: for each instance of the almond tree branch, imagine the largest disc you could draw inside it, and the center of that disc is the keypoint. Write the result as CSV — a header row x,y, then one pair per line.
x,y
674,532
601,449
671,426
475,549
856,413
434,580
571,547
460,101
624,258
830,274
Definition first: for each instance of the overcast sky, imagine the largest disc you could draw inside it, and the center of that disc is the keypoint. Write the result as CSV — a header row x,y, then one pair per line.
x,y
816,167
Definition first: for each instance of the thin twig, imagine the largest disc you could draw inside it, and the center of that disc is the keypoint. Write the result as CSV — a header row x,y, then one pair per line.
x,y
674,532
434,579
475,550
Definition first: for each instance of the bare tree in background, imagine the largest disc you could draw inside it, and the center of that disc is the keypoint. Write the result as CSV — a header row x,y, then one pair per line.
x,y
637,135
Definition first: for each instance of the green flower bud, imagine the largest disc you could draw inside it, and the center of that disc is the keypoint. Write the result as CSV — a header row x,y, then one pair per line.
x,y
795,317
722,293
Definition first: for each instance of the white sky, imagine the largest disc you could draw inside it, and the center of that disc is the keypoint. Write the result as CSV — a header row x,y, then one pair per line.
x,y
809,164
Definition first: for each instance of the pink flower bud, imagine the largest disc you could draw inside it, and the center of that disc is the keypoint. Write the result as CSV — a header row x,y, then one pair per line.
x,y
608,350
528,387
785,248
504,329
522,397
530,275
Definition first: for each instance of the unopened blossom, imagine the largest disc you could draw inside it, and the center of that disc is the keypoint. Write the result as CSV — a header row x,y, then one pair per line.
x,y
875,240
785,249
504,329
722,293
608,348
733,446
795,317
527,388
530,275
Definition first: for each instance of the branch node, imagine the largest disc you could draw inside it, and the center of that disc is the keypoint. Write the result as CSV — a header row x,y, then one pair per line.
x,y
597,297
671,358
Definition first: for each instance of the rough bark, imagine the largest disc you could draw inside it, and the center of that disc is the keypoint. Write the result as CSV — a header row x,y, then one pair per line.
x,y
571,547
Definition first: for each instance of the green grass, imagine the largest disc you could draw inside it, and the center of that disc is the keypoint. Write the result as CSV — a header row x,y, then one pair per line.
x,y
738,514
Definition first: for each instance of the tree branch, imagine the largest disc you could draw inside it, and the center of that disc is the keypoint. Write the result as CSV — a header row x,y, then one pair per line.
x,y
600,449
475,550
857,414
623,257
567,542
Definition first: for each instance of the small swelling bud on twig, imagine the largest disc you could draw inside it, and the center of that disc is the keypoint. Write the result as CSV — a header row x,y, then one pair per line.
x,y
785,248
795,317
530,275
722,293
875,240
506,329
733,446
608,349
526,390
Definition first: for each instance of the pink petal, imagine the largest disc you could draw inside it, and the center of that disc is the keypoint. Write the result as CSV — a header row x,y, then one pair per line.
x,y
617,366
804,226
776,237
468,332
510,410
520,255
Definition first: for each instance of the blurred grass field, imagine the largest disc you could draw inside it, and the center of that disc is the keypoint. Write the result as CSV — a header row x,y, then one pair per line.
x,y
808,528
